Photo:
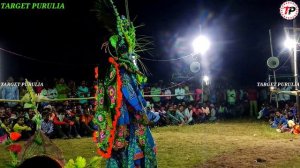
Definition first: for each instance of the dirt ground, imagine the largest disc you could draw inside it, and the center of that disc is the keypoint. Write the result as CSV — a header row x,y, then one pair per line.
x,y
268,153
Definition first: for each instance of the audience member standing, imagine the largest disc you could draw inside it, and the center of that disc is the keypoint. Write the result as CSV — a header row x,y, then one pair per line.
x,y
179,92
62,89
168,94
10,91
52,92
155,90
82,92
252,97
231,96
197,95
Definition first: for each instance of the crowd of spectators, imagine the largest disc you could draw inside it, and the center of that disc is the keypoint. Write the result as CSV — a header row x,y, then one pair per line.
x,y
167,104
188,104
67,119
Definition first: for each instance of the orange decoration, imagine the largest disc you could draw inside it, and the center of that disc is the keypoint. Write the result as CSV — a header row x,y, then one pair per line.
x,y
14,136
107,154
96,72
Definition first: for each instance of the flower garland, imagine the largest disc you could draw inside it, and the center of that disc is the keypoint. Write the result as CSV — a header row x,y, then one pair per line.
x,y
13,148
107,154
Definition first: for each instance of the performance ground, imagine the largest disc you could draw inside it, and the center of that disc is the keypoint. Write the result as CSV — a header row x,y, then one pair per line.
x,y
223,144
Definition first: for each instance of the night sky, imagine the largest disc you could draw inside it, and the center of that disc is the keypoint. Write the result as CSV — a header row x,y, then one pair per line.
x,y
67,43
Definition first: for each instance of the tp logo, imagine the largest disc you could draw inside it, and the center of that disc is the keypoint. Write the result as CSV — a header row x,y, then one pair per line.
x,y
289,10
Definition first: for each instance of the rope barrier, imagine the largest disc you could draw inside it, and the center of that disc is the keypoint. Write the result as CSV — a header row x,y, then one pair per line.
x,y
49,100
172,95
88,98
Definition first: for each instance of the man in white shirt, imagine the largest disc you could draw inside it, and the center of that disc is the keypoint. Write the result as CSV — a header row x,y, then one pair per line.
x,y
166,93
188,114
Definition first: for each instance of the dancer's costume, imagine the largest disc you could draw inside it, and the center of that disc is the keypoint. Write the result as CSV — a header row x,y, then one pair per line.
x,y
123,135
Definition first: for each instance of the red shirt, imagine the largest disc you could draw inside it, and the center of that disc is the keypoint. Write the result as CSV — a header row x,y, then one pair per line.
x,y
197,96
252,94
38,89
56,121
86,119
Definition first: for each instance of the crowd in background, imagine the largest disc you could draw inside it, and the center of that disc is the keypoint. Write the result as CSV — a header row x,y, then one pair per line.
x,y
167,104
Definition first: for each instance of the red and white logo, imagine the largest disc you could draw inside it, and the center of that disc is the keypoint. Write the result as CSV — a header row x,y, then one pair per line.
x,y
289,10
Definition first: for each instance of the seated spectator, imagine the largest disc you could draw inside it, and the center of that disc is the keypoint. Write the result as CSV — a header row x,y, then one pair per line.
x,y
295,128
171,113
222,111
70,117
212,113
8,111
188,114
79,109
47,126
21,128
59,126
5,129
2,112
279,122
66,105
205,110
264,112
197,111
86,123
29,119
179,114
163,121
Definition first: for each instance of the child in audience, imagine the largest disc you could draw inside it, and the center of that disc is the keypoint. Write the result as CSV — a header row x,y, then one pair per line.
x,y
86,123
279,122
47,126
5,129
212,113
188,114
20,127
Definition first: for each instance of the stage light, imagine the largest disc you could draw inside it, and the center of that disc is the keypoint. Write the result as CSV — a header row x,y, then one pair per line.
x,y
205,78
290,43
201,44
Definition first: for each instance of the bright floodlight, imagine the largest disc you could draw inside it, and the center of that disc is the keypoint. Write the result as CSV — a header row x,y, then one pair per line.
x,y
205,78
289,43
201,44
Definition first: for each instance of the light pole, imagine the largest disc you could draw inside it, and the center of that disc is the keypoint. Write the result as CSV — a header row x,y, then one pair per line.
x,y
292,45
206,80
201,45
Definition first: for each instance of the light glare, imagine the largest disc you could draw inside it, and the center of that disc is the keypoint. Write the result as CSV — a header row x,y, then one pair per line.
x,y
201,44
205,78
289,43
